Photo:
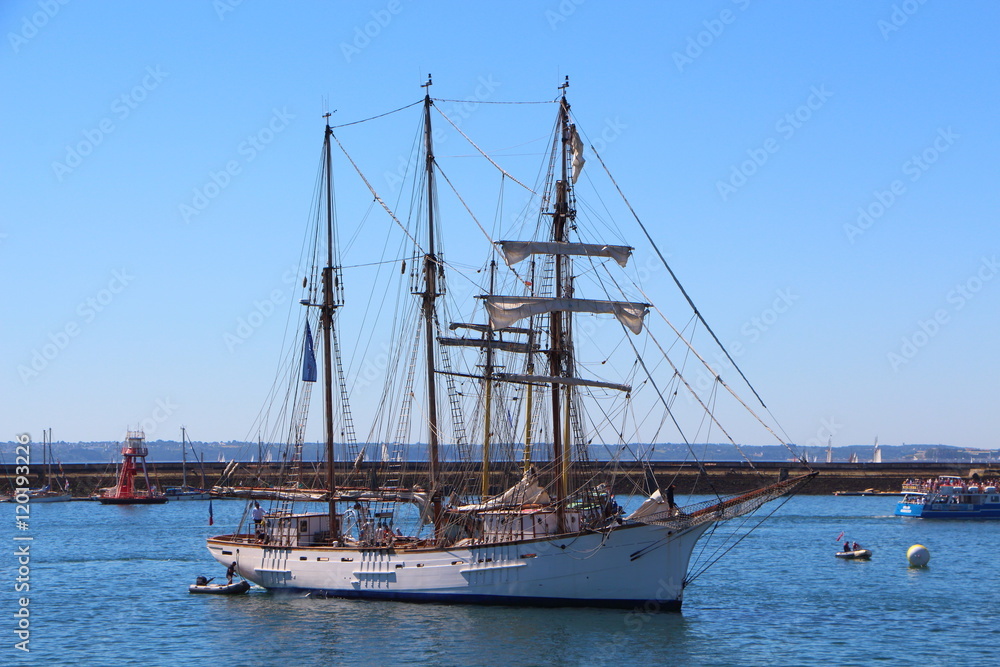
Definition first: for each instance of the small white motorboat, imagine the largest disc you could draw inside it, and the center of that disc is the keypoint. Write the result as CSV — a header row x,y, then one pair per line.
x,y
859,554
203,585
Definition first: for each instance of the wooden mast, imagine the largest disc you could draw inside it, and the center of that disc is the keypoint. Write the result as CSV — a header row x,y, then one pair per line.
x,y
429,297
326,318
557,353
529,396
488,376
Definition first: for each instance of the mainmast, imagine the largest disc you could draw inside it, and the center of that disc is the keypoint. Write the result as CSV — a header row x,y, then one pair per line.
x,y
488,378
327,310
557,355
429,297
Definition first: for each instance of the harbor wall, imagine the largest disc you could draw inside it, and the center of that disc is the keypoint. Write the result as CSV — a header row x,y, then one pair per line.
x,y
720,477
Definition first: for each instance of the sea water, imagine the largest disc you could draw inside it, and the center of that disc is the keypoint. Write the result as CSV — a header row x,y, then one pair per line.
x,y
108,586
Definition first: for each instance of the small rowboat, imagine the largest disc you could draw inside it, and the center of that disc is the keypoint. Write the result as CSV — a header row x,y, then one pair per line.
x,y
860,554
237,588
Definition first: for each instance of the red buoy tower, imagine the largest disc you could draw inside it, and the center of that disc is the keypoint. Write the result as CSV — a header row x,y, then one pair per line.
x,y
134,452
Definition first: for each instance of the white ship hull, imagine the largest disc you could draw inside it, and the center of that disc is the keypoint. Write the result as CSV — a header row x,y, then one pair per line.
x,y
50,497
630,566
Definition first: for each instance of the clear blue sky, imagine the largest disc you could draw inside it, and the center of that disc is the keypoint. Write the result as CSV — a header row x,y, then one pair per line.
x,y
750,136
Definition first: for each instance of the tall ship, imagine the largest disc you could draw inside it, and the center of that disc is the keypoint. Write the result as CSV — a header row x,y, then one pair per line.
x,y
553,354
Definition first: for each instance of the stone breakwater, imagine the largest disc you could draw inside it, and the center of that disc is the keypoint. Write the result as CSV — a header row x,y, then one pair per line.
x,y
720,477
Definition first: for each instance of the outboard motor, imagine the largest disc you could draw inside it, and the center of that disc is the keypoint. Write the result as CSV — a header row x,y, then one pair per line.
x,y
201,581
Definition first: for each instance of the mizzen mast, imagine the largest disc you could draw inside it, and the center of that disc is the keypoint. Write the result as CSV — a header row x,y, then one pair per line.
x,y
430,295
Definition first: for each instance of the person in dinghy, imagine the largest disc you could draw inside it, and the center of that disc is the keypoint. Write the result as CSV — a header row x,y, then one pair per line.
x,y
853,550
203,585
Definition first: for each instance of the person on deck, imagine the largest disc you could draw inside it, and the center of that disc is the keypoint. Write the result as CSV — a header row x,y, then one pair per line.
x,y
847,547
856,547
230,571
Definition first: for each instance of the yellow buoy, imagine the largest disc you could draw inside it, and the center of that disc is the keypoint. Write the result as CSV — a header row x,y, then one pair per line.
x,y
918,555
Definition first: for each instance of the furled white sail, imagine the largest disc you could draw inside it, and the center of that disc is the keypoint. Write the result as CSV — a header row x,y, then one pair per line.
x,y
525,492
516,251
576,382
654,504
577,148
483,343
505,310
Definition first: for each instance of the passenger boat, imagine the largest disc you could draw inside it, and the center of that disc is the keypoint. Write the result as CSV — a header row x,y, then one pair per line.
x,y
520,514
950,497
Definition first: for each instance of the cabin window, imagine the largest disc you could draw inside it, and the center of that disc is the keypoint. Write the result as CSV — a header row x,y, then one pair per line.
x,y
303,526
995,499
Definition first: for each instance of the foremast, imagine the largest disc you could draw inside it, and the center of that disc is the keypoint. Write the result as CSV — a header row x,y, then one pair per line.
x,y
559,306
327,312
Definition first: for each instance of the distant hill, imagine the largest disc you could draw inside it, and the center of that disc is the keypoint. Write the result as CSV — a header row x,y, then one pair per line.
x,y
170,450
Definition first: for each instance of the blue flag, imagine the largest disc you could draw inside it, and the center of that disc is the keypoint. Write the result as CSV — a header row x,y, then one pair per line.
x,y
308,358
